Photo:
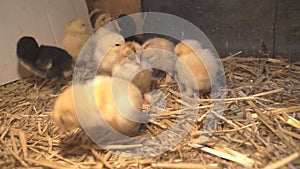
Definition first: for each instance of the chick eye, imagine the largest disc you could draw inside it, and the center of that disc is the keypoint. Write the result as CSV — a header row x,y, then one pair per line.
x,y
83,24
117,44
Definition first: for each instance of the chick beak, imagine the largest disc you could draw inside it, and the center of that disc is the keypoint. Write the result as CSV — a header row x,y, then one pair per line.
x,y
138,57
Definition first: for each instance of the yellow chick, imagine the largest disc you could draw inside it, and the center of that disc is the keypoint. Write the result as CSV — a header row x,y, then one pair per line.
x,y
130,48
158,43
106,98
107,50
130,67
201,62
163,58
75,37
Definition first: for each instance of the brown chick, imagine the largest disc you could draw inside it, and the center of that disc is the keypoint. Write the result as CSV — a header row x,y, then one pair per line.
x,y
164,60
99,18
65,116
102,20
107,50
130,67
201,62
75,37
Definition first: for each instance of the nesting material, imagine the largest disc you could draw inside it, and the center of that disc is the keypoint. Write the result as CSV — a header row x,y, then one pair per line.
x,y
259,127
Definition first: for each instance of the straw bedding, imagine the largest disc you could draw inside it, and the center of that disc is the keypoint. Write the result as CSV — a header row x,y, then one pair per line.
x,y
259,128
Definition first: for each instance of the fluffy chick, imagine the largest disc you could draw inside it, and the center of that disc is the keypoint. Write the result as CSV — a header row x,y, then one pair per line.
x,y
158,43
75,37
131,67
99,19
65,115
201,62
130,48
107,50
102,20
44,61
162,58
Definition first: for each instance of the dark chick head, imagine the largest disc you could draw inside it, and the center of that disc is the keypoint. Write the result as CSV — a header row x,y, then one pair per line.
x,y
27,48
122,15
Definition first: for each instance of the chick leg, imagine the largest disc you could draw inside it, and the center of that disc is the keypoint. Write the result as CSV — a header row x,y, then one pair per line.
x,y
57,87
189,91
147,98
55,75
44,83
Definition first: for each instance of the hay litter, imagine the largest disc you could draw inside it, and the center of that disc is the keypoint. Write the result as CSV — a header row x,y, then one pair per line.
x,y
259,128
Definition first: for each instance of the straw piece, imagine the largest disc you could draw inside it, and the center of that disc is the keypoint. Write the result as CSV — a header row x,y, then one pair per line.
x,y
231,56
246,162
197,133
13,142
184,166
23,163
62,158
295,135
286,110
23,141
236,154
50,164
253,59
291,121
260,122
268,92
159,124
4,133
283,161
101,159
122,147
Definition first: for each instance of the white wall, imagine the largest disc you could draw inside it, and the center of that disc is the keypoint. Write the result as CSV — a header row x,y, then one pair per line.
x,y
43,19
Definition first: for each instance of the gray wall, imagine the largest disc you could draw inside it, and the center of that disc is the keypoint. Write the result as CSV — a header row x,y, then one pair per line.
x,y
234,25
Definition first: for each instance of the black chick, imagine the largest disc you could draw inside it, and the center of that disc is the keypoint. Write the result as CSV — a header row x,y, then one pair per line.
x,y
47,62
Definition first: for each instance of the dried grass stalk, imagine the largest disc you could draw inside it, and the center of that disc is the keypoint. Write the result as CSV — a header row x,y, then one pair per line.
x,y
259,125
